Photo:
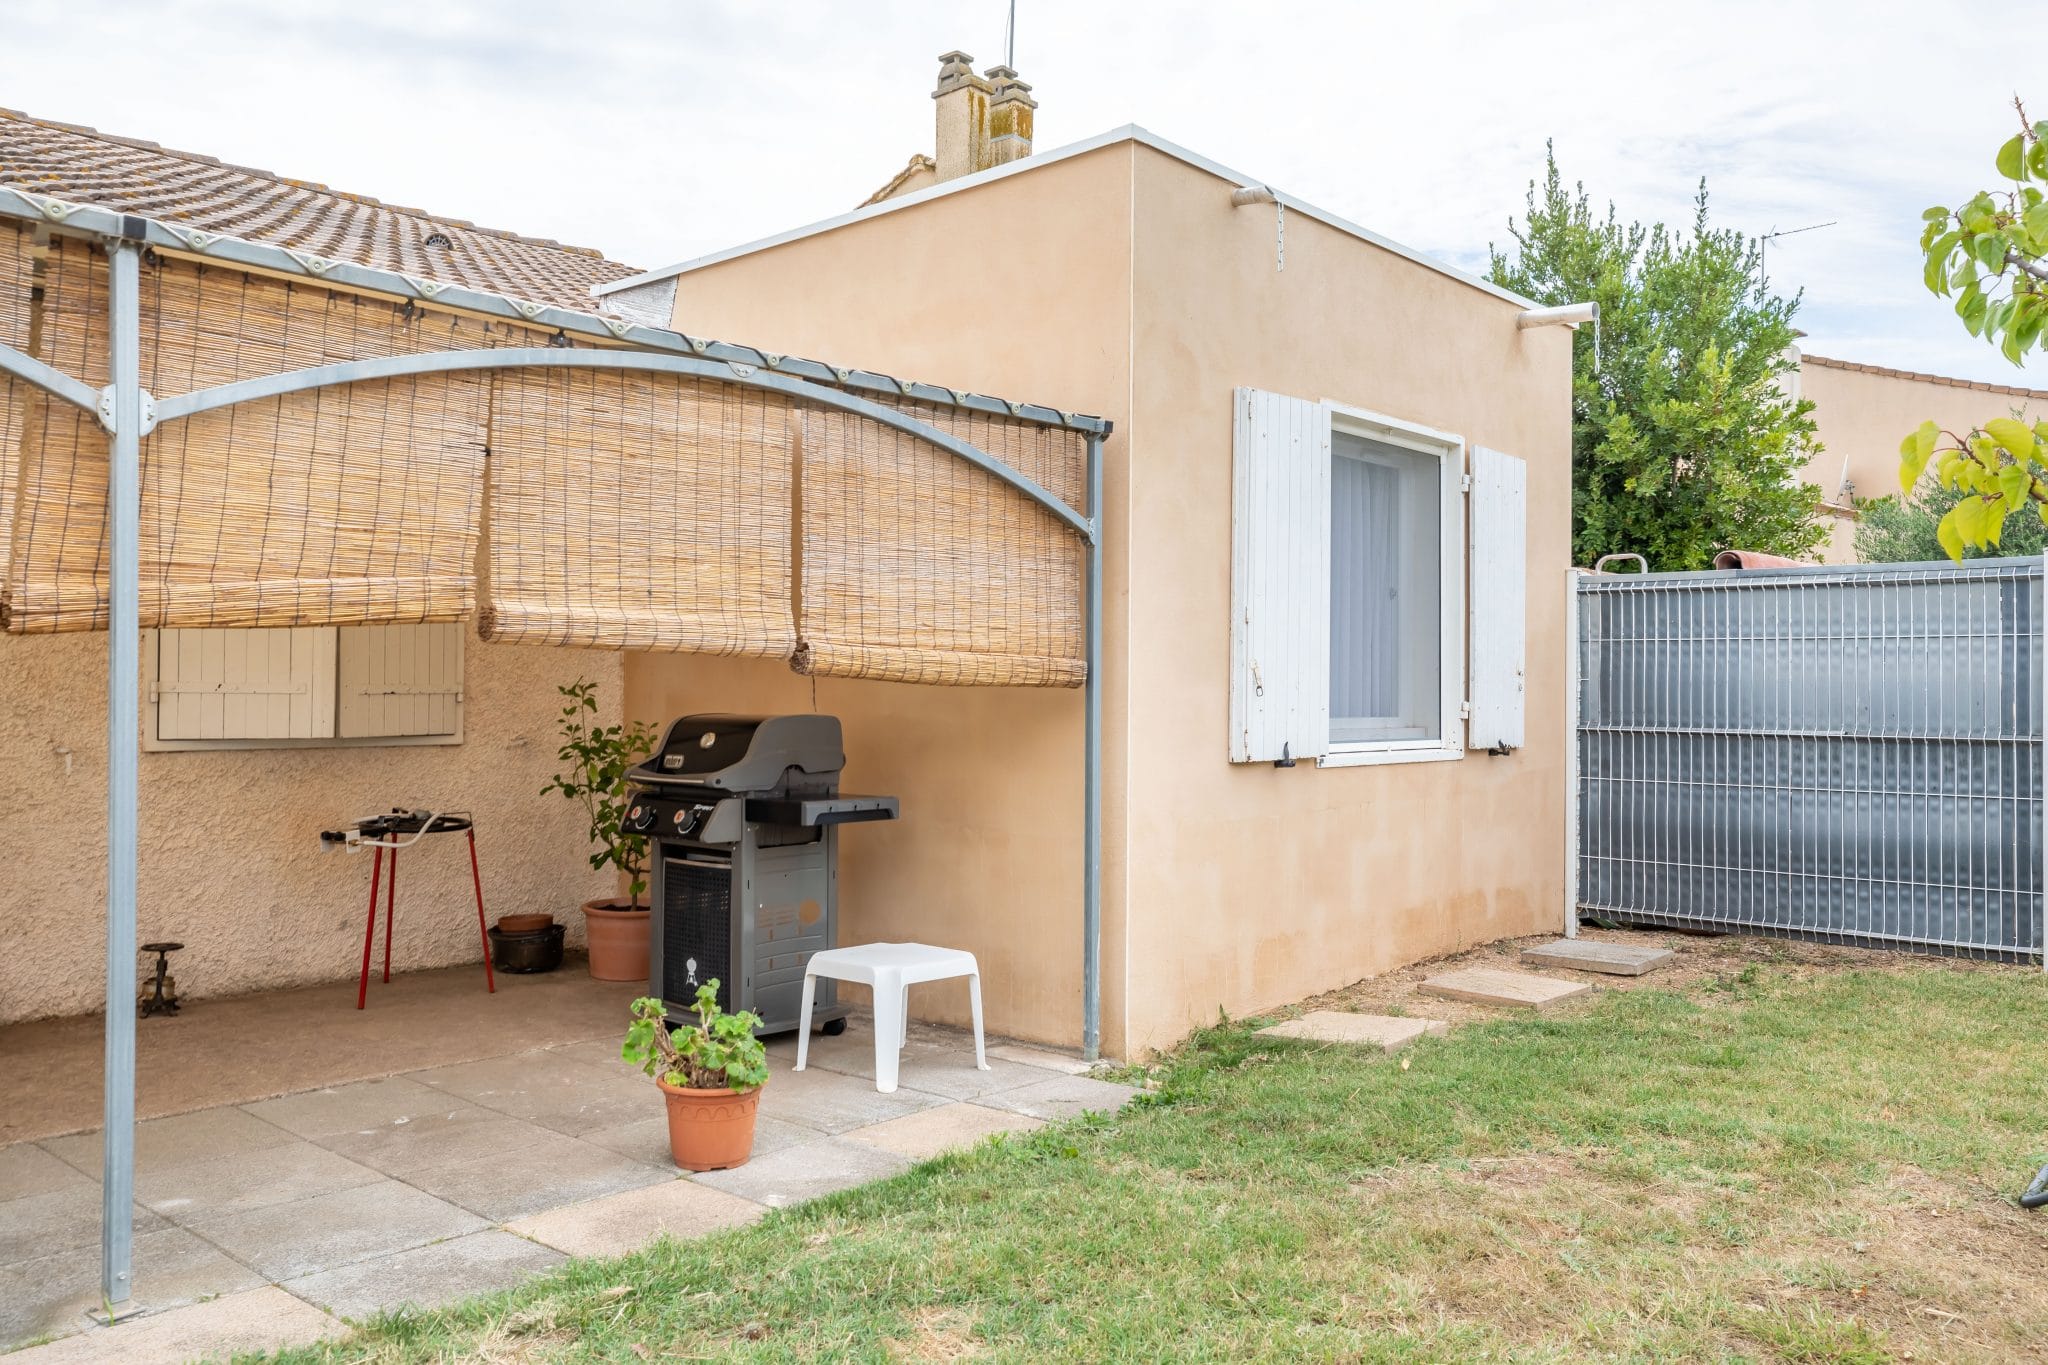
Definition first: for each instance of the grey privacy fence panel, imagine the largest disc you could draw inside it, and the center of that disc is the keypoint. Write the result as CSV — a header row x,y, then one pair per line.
x,y
1849,754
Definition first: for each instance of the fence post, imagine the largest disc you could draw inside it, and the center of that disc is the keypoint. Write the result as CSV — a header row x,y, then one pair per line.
x,y
1571,751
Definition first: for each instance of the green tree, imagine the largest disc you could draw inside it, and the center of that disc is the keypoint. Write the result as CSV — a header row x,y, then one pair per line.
x,y
1906,529
1991,256
1684,441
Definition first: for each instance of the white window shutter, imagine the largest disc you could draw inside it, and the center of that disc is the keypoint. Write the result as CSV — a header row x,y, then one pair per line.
x,y
245,684
400,680
1279,579
1499,598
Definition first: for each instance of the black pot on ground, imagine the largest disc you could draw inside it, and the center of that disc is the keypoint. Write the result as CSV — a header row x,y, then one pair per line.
x,y
538,951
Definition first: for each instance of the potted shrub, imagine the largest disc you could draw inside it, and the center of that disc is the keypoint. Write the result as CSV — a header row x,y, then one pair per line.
x,y
711,1073
598,758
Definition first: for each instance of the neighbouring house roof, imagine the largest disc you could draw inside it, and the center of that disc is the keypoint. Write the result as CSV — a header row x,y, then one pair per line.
x,y
1915,375
1128,133
83,165
920,165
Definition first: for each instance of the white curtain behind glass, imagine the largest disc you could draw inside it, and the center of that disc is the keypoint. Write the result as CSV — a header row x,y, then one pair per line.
x,y
1365,598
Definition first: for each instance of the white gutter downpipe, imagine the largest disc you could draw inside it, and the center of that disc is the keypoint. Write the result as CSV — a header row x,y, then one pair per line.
x,y
1564,315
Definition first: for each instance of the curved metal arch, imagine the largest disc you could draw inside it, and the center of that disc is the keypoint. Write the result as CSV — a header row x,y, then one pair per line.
x,y
543,357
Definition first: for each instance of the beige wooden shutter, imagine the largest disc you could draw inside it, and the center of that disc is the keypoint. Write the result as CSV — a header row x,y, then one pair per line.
x,y
244,684
1279,579
400,680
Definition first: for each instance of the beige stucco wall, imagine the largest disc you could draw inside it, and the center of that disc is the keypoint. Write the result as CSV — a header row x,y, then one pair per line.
x,y
1253,886
230,862
1863,414
1019,288
1123,283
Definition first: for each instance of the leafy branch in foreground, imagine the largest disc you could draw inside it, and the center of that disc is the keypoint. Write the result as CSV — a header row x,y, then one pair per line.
x,y
1991,256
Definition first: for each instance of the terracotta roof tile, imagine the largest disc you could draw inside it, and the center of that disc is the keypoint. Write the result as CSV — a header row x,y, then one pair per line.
x,y
131,176
1827,364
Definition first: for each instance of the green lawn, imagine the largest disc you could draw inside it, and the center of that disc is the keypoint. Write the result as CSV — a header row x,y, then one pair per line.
x,y
1770,1164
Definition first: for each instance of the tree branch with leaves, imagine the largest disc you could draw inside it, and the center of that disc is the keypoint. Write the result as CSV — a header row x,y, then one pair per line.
x,y
1991,256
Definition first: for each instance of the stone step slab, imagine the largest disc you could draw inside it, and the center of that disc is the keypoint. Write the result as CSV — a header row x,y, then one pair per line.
x,y
1385,1031
1493,986
1591,955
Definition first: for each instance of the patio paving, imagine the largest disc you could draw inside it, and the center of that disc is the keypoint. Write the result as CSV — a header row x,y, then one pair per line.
x,y
462,1177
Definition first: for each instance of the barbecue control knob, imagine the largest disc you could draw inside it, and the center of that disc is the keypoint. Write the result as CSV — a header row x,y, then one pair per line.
x,y
639,818
683,820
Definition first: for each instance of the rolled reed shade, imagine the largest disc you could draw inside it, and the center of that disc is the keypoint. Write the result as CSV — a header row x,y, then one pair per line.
x,y
350,505
639,511
16,283
919,567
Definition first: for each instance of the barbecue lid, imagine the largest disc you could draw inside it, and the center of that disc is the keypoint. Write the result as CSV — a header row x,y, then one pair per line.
x,y
742,753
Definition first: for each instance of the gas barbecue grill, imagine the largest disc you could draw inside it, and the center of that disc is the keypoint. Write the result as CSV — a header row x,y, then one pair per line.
x,y
742,815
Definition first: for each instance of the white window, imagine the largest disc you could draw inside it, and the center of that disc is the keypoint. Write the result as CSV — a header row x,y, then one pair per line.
x,y
1349,598
306,687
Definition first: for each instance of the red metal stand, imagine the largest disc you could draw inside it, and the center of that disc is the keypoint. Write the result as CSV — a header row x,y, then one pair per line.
x,y
391,912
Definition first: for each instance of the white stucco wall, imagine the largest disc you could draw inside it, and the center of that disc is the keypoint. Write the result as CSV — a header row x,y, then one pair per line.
x,y
231,863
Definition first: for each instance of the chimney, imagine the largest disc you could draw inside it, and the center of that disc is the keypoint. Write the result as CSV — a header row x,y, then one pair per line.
x,y
963,115
1009,117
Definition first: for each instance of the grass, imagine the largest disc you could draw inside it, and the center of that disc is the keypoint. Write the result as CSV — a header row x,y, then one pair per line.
x,y
1771,1164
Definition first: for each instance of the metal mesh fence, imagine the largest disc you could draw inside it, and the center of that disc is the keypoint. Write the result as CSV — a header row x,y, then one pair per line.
x,y
1848,754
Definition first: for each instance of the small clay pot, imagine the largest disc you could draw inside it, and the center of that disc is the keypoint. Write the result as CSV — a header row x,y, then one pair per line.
x,y
617,932
710,1130
524,924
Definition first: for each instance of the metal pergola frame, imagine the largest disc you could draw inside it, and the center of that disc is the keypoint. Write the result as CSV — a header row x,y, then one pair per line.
x,y
128,413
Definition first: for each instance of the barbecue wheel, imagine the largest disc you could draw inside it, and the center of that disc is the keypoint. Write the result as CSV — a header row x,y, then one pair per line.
x,y
832,1028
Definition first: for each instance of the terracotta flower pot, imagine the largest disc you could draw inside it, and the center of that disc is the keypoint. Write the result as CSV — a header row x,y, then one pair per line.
x,y
524,924
710,1130
617,931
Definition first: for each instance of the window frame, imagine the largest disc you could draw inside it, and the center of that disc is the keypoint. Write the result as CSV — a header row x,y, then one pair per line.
x,y
1450,452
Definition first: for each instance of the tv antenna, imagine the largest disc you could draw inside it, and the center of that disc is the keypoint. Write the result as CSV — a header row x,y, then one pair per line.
x,y
1010,39
1764,242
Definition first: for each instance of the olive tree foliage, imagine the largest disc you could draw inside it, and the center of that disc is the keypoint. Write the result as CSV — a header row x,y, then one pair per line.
x,y
1990,254
1684,439
1905,528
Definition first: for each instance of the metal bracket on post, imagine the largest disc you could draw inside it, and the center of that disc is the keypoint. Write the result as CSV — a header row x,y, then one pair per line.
x,y
106,411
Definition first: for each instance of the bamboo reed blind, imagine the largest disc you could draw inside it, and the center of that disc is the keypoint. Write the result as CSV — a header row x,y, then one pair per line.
x,y
15,283
639,511
617,510
918,567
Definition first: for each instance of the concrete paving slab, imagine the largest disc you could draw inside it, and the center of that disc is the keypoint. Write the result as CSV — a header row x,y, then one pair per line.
x,y
1387,1032
177,1141
647,1140
427,1276
258,1320
253,1180
948,1128
51,1295
796,1174
833,1102
1042,1058
948,1073
1492,986
406,1147
317,1114
1061,1097
27,1169
286,1241
524,1180
1593,955
57,1220
620,1223
564,1094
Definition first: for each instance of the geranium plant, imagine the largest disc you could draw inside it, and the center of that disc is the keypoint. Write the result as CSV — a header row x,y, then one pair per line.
x,y
719,1052
598,759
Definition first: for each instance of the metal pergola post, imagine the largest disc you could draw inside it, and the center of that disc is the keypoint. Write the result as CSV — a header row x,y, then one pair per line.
x,y
121,410
1091,793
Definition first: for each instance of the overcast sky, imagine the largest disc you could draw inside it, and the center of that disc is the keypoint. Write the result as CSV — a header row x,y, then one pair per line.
x,y
659,131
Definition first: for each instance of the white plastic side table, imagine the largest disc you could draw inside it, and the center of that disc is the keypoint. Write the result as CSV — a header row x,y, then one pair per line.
x,y
890,970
